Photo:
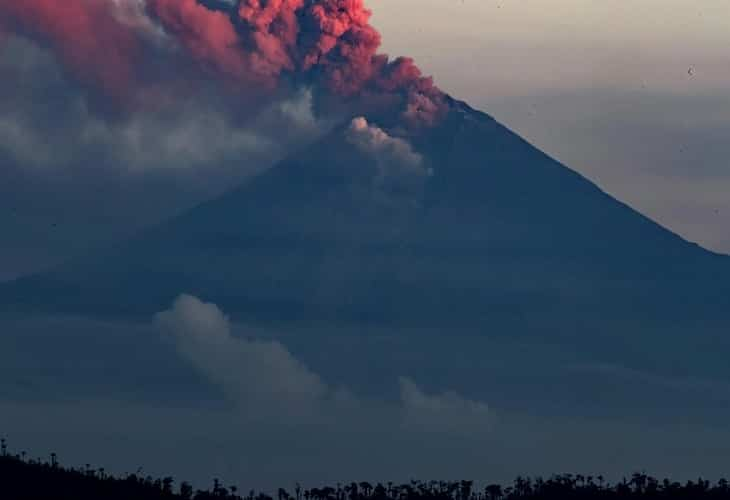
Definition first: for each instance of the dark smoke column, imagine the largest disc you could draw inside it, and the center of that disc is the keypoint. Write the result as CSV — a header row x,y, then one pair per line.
x,y
327,42
91,42
254,46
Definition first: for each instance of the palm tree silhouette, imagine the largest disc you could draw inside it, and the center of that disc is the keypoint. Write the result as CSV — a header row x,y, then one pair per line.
x,y
366,488
494,492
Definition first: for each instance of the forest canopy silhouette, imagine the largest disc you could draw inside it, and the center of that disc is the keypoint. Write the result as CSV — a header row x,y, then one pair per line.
x,y
23,478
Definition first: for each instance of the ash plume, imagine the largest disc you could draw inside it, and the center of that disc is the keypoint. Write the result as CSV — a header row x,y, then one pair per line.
x,y
399,166
252,47
87,37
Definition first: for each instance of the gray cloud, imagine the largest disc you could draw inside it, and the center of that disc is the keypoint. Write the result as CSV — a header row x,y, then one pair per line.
x,y
262,377
46,123
447,412
399,166
96,176
257,375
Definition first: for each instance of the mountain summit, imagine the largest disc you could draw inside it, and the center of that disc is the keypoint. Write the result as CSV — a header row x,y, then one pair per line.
x,y
460,226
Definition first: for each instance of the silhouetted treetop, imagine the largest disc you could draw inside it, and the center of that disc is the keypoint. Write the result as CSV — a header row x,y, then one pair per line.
x,y
36,479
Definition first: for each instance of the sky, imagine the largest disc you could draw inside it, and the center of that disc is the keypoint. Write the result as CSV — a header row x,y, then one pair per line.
x,y
633,94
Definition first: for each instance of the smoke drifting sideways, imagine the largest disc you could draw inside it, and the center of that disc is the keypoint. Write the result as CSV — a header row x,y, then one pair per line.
x,y
142,53
172,102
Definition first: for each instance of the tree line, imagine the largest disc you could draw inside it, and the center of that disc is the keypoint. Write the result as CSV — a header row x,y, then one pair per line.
x,y
23,478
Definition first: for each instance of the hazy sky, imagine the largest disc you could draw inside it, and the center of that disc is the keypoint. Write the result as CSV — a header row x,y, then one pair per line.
x,y
632,94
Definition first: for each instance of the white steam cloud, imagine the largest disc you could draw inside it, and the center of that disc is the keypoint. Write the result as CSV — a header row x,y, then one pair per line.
x,y
260,376
43,134
446,412
399,166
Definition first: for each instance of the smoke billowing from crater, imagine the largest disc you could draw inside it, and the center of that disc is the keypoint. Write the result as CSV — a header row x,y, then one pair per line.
x,y
172,102
252,47
90,37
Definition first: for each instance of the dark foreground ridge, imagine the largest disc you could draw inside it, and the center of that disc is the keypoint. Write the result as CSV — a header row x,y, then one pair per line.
x,y
23,479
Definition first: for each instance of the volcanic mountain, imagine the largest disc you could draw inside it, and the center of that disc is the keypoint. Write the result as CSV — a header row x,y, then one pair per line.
x,y
462,226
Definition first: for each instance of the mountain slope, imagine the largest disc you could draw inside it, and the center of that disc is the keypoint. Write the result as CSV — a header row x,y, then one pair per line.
x,y
499,237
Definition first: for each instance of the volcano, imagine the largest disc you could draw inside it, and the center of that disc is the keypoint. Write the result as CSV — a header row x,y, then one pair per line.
x,y
459,227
